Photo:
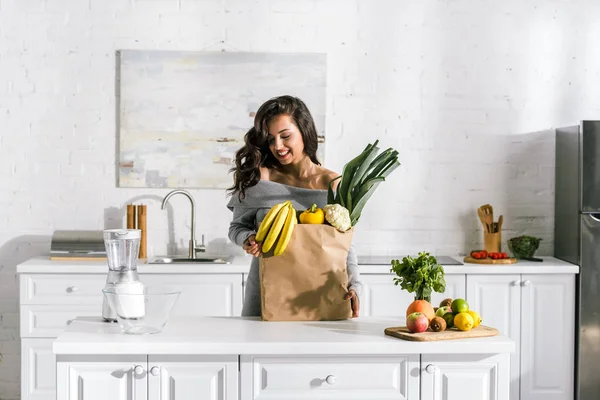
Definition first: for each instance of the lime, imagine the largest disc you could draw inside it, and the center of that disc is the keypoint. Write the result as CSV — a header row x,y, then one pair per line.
x,y
476,318
459,305
449,318
463,321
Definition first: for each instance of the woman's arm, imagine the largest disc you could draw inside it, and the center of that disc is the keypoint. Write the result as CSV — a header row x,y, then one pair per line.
x,y
354,282
243,225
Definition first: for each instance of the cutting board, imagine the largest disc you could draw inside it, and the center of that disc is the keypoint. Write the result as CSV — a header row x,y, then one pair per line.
x,y
469,259
402,332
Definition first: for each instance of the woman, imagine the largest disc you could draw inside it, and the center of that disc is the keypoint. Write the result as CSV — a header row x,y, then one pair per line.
x,y
278,163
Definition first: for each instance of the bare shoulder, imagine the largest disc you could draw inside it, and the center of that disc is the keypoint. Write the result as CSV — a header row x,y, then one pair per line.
x,y
329,176
265,174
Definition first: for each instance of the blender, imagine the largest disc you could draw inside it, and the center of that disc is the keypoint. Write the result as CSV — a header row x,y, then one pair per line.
x,y
122,248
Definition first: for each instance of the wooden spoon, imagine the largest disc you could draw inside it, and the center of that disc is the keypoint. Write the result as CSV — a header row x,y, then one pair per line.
x,y
481,215
488,212
500,221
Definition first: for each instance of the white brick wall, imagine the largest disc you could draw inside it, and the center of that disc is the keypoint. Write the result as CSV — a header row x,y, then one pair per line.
x,y
467,91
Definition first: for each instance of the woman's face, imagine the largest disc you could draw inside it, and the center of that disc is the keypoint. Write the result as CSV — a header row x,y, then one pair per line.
x,y
285,140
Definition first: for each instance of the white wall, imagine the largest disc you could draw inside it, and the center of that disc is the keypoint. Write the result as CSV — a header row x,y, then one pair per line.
x,y
467,91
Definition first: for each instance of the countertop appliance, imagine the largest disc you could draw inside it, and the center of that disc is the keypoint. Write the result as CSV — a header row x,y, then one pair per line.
x,y
122,249
577,240
77,245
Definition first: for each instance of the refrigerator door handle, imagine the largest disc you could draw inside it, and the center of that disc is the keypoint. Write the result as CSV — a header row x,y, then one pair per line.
x,y
595,217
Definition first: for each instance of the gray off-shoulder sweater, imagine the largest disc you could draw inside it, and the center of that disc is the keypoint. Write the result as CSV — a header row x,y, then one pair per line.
x,y
247,216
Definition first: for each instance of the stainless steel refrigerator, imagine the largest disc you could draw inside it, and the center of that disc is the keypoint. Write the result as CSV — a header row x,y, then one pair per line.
x,y
577,240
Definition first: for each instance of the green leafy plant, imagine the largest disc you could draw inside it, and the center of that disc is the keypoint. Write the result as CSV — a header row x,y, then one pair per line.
x,y
419,275
523,246
360,177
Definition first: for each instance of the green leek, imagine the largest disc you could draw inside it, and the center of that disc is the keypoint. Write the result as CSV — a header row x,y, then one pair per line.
x,y
360,177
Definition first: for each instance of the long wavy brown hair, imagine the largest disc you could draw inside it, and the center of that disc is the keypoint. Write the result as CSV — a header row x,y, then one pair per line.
x,y
256,153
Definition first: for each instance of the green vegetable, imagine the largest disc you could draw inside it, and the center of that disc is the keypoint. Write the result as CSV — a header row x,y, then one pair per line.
x,y
419,275
360,177
523,246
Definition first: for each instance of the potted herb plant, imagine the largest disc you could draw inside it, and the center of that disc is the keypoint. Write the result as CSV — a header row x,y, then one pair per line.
x,y
419,275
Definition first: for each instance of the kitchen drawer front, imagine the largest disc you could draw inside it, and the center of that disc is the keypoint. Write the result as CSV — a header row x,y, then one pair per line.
x,y
50,321
332,377
62,289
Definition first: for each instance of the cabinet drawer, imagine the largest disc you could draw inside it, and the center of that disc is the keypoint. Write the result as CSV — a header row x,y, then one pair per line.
x,y
314,377
62,289
44,321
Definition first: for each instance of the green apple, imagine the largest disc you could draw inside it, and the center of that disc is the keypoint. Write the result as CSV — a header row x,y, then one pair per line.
x,y
442,310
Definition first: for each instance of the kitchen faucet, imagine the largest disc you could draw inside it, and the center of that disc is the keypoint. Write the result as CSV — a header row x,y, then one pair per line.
x,y
193,247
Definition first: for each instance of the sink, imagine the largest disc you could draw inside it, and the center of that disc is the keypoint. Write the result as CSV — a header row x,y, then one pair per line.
x,y
185,260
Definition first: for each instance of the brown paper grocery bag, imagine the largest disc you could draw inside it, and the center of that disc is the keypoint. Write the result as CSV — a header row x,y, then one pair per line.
x,y
308,281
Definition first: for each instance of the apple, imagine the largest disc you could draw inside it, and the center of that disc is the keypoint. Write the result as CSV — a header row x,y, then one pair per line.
x,y
417,322
442,310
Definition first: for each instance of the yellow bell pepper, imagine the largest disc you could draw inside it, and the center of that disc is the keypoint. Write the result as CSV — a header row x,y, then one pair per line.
x,y
314,215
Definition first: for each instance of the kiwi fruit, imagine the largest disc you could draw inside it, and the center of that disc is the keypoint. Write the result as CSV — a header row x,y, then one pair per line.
x,y
437,324
446,302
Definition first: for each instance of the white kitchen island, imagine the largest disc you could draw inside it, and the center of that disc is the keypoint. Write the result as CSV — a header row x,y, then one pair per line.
x,y
230,358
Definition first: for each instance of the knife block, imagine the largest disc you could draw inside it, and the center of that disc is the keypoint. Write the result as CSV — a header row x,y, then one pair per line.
x,y
492,242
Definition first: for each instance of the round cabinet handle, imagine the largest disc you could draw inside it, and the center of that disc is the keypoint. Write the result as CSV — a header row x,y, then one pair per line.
x,y
430,369
526,283
138,369
155,371
72,289
515,283
331,379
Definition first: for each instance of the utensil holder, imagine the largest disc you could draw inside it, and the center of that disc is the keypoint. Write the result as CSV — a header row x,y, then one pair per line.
x,y
492,242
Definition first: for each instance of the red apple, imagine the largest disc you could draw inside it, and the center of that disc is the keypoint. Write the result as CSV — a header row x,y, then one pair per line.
x,y
417,322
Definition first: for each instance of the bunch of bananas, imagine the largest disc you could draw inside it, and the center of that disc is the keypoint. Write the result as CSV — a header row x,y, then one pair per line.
x,y
278,223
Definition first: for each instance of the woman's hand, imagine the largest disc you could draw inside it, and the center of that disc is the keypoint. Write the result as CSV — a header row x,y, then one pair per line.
x,y
354,302
251,246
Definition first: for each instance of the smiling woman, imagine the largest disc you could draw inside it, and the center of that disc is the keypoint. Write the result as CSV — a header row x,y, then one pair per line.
x,y
278,163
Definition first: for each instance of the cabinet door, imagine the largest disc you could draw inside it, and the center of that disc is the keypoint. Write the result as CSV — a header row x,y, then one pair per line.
x,y
106,377
547,337
381,298
497,298
465,377
193,377
455,288
203,294
38,370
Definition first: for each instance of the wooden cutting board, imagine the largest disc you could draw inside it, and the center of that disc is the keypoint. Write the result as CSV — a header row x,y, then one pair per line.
x,y
402,332
469,259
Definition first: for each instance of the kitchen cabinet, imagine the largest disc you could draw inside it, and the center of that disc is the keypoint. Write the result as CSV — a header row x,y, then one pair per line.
x,y
464,377
38,364
381,298
125,377
106,377
49,302
538,313
281,377
53,293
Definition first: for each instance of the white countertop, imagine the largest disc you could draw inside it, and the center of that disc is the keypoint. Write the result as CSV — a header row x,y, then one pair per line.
x,y
243,335
44,265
